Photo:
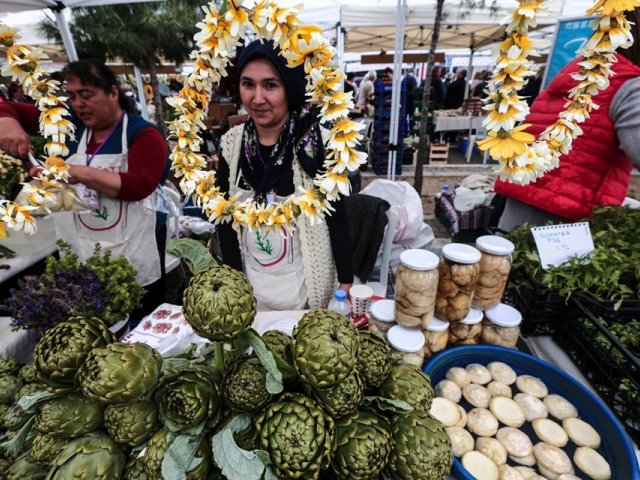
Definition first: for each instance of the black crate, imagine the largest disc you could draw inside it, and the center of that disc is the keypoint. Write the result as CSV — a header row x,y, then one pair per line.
x,y
612,369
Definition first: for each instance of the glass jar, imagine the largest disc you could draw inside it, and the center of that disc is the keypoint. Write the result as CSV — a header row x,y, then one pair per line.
x,y
458,270
501,326
407,345
467,331
495,265
416,288
382,317
436,337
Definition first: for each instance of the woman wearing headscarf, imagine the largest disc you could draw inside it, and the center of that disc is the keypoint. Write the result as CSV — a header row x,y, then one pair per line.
x,y
366,93
278,150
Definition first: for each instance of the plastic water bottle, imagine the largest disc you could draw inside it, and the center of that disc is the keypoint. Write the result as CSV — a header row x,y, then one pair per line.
x,y
340,304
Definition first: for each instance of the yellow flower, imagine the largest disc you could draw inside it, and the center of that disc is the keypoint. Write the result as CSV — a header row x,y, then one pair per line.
x,y
38,196
324,82
7,35
56,149
336,106
52,122
311,205
237,18
307,45
496,119
280,22
23,64
206,189
345,133
220,209
507,144
56,167
619,31
333,185
613,7
3,230
18,217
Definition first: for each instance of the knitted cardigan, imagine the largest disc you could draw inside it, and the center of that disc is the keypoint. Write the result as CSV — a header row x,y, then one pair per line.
x,y
317,259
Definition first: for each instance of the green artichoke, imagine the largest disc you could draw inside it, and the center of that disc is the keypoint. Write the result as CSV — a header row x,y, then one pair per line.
x,y
15,417
219,303
280,342
45,448
421,449
156,449
63,349
120,373
188,397
244,387
374,360
324,348
342,399
93,457
4,408
132,424
29,389
135,468
363,444
26,469
4,468
69,416
8,366
28,373
297,435
9,386
410,384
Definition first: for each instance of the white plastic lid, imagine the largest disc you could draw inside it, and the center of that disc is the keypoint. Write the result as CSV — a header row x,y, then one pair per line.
x,y
437,325
405,339
384,310
416,259
495,245
473,317
504,315
461,253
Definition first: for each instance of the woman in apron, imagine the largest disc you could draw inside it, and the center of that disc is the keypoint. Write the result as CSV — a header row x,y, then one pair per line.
x,y
279,149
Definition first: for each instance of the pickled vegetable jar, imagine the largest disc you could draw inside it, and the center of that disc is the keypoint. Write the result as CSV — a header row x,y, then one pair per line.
x,y
416,288
467,331
407,345
459,271
436,337
501,326
382,317
495,265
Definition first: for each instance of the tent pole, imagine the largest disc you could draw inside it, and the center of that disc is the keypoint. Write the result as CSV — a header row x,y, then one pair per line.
x,y
67,39
472,51
340,45
396,107
141,95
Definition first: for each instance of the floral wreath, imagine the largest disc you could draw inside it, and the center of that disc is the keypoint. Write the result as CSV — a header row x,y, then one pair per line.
x,y
523,158
220,32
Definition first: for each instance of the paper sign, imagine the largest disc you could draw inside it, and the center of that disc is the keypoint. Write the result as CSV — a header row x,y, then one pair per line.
x,y
558,243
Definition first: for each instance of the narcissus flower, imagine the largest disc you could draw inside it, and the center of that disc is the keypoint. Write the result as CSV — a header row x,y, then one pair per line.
x,y
507,144
613,7
18,217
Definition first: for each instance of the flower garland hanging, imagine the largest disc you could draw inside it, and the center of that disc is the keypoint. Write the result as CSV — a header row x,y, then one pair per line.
x,y
23,66
219,33
522,157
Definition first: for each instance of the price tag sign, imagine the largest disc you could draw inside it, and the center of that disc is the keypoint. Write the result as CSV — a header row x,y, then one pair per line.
x,y
558,243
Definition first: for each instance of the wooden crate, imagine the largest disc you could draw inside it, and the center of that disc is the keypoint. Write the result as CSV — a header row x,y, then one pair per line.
x,y
438,153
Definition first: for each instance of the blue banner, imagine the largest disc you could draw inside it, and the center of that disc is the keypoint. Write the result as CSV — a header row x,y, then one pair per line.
x,y
570,36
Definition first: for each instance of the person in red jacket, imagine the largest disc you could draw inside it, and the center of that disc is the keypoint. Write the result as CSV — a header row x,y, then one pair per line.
x,y
597,170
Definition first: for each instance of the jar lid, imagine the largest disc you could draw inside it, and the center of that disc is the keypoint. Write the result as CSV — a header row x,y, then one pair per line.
x,y
495,245
504,315
461,253
384,310
405,339
419,259
473,317
437,325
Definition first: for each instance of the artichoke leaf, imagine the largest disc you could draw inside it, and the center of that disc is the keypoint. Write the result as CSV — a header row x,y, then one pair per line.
x,y
180,457
193,252
13,447
269,475
268,361
236,463
383,404
29,402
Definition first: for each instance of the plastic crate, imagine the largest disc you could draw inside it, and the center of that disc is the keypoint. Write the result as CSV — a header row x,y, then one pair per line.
x,y
612,368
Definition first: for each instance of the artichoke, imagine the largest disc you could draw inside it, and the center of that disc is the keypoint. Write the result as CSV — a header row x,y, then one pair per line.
x,y
410,384
26,469
28,389
280,343
94,457
421,449
120,373
15,417
4,408
188,397
69,416
297,435
4,468
8,366
156,449
219,303
28,373
135,468
9,386
244,387
324,348
132,424
374,360
45,448
63,349
362,446
342,399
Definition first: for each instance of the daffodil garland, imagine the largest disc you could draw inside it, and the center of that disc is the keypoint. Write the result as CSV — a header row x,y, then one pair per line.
x,y
522,158
23,66
219,33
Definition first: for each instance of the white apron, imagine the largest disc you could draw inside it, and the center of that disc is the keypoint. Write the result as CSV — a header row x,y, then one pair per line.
x,y
125,228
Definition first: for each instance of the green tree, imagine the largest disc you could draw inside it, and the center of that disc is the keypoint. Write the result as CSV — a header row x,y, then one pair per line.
x,y
138,33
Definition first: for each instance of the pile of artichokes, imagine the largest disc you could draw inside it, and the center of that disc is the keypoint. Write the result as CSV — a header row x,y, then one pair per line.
x,y
326,402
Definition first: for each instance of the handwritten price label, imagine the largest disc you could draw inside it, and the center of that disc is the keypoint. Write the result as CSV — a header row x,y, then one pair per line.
x,y
558,243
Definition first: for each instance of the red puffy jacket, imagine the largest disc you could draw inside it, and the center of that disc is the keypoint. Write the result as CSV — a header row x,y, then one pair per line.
x,y
596,171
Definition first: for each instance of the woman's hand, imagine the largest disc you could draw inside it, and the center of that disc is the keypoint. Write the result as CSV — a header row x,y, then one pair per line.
x,y
345,286
13,138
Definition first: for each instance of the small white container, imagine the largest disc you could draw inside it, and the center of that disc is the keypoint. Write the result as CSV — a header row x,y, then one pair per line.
x,y
501,326
407,344
468,330
383,317
436,337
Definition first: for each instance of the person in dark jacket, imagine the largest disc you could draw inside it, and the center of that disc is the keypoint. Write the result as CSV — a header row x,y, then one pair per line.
x,y
455,92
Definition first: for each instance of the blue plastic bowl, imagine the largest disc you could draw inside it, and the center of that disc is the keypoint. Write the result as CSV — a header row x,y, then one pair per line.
x,y
616,446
